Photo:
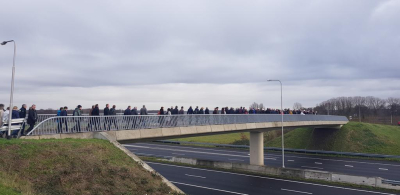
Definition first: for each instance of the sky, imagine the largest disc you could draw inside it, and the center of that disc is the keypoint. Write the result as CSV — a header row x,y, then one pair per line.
x,y
204,53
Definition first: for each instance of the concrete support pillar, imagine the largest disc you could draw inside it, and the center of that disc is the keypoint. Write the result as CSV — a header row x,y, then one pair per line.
x,y
256,148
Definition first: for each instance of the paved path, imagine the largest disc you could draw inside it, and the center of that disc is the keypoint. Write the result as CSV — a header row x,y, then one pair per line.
x,y
384,169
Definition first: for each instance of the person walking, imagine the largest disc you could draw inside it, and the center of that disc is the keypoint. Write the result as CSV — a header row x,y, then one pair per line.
x,y
175,111
113,118
207,111
32,117
181,111
143,111
96,119
22,114
59,124
127,119
160,118
15,115
77,113
190,110
196,111
64,119
135,118
106,112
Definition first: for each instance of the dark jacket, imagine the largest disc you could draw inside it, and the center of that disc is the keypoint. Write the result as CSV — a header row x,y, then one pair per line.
x,y
32,116
96,112
175,111
106,111
22,112
64,113
134,111
127,112
207,111
161,111
181,111
190,110
112,112
15,114
196,111
201,111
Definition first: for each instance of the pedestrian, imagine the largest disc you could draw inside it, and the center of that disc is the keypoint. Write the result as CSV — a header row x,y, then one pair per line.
x,y
113,118
190,110
77,113
135,118
175,111
127,119
64,119
106,112
22,114
201,111
160,118
143,111
96,118
59,121
181,111
91,110
6,113
207,111
32,117
15,115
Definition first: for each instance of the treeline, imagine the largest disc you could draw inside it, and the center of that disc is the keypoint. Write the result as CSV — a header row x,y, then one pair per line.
x,y
365,106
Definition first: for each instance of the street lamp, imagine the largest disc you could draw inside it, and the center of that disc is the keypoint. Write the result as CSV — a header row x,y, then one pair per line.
x,y
12,86
283,139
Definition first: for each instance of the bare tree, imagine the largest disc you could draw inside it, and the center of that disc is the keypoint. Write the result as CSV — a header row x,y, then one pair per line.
x,y
297,106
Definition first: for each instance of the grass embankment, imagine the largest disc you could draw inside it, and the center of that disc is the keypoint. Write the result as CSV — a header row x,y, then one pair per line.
x,y
72,167
352,137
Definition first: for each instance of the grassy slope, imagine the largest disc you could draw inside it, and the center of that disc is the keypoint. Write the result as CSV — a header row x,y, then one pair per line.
x,y
352,137
72,167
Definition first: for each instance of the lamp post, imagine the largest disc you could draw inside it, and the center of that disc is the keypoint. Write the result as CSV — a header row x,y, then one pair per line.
x,y
12,86
283,139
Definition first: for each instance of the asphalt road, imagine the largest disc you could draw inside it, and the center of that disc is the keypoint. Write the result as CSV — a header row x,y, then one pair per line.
x,y
361,167
196,181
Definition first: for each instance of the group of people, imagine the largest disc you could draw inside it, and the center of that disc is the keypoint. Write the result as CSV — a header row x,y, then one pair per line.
x,y
16,113
32,117
226,110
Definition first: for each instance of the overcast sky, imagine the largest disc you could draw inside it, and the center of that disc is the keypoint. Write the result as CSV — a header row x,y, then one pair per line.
x,y
206,53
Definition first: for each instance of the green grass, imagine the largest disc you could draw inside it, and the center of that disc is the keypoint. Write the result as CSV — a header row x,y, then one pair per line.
x,y
4,190
352,137
72,166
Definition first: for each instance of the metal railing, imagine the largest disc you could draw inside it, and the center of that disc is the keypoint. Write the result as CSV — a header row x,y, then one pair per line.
x,y
391,182
71,124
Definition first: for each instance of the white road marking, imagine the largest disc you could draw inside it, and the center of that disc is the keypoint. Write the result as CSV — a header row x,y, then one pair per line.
x,y
348,165
195,176
178,154
270,158
290,160
296,191
272,155
312,167
207,188
276,179
150,154
318,163
383,169
235,159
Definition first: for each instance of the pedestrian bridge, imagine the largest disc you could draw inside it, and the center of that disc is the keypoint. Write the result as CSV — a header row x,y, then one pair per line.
x,y
152,127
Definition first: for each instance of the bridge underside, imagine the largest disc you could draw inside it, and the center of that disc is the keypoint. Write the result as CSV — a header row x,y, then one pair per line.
x,y
256,133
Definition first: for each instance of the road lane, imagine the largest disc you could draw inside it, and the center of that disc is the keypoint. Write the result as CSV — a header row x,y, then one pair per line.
x,y
212,182
362,167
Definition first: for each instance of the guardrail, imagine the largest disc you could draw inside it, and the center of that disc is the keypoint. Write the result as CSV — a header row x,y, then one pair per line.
x,y
68,124
391,182
287,149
